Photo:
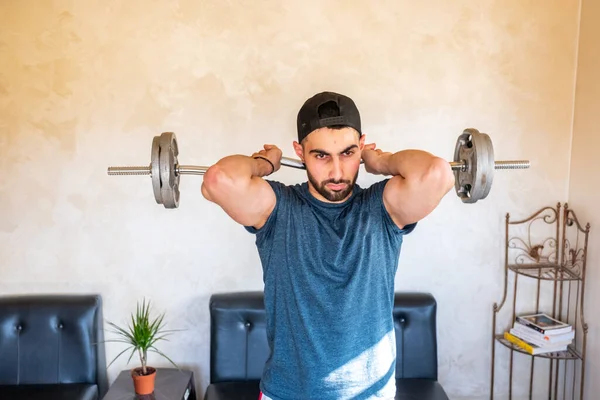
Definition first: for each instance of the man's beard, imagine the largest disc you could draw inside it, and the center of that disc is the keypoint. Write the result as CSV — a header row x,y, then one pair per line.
x,y
331,195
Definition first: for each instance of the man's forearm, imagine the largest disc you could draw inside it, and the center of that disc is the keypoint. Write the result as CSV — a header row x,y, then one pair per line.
x,y
231,174
244,167
408,163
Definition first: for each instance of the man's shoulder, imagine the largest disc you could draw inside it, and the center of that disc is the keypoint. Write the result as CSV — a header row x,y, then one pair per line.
x,y
371,198
280,184
286,189
286,196
372,191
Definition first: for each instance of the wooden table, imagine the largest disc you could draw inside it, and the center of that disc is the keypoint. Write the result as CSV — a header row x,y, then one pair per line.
x,y
170,384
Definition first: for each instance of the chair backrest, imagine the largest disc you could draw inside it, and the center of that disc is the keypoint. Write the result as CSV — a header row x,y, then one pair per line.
x,y
239,347
416,335
50,339
238,336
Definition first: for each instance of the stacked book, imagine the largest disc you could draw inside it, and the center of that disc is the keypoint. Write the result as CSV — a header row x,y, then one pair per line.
x,y
540,333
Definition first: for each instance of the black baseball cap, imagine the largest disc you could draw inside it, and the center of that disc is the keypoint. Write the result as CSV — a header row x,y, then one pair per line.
x,y
327,109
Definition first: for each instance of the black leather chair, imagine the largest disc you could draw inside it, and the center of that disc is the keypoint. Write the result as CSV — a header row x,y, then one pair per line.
x,y
239,346
51,347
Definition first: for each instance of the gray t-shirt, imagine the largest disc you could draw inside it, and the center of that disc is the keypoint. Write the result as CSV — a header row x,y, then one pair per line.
x,y
328,271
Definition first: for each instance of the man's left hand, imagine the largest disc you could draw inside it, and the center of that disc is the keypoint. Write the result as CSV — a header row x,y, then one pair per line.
x,y
375,159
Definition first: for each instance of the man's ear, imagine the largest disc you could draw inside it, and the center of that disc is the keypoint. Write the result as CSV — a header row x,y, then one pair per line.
x,y
299,150
361,142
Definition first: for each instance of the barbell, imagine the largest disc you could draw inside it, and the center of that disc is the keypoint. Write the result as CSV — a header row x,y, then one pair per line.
x,y
473,167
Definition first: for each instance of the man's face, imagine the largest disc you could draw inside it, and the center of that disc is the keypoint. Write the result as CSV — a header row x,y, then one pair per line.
x,y
332,158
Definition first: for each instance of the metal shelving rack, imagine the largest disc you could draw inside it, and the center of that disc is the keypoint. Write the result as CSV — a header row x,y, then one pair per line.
x,y
537,259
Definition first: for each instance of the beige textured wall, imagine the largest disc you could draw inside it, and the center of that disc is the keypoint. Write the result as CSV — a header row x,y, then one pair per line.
x,y
584,188
87,84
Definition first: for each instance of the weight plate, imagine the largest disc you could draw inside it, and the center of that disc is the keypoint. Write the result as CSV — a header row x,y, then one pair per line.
x,y
155,169
462,183
485,158
168,163
474,181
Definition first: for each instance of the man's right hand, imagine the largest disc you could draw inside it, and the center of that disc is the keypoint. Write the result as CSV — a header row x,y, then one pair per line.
x,y
271,153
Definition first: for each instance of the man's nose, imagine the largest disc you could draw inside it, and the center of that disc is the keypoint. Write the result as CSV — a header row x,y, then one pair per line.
x,y
336,169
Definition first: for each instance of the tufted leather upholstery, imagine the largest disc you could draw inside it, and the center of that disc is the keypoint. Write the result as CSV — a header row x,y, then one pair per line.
x,y
416,336
51,347
239,347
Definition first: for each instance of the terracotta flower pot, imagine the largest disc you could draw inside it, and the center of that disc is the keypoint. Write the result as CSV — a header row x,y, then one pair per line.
x,y
143,384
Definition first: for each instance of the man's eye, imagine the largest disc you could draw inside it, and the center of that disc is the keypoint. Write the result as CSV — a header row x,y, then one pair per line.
x,y
348,153
320,156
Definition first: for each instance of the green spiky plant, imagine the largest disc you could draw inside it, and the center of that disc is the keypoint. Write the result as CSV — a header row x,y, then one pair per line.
x,y
141,336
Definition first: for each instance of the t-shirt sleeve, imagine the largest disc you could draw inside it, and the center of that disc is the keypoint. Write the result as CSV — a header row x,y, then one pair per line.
x,y
266,229
377,203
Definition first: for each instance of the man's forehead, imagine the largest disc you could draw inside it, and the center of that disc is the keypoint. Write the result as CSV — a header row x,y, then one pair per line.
x,y
343,137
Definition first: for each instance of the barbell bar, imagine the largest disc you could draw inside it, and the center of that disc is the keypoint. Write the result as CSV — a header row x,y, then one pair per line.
x,y
473,167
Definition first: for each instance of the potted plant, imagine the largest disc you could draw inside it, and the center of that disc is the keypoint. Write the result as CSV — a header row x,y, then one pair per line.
x,y
141,336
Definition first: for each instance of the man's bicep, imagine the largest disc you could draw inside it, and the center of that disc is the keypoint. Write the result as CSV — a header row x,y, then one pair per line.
x,y
254,206
269,195
248,205
405,202
265,203
264,227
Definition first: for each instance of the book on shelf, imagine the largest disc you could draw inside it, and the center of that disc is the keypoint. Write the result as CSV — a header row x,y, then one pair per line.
x,y
540,333
543,323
